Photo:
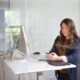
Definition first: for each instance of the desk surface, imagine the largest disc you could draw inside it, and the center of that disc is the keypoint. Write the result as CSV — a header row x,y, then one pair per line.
x,y
31,65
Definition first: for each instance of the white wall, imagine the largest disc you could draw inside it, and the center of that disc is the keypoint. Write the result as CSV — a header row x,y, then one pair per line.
x,y
43,18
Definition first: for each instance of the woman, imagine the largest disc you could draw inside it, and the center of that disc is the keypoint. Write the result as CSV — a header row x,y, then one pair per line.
x,y
66,48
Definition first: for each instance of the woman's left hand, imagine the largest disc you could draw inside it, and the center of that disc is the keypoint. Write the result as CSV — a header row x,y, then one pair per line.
x,y
52,56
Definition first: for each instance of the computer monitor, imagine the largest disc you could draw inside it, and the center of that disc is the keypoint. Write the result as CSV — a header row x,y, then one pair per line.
x,y
22,42
17,40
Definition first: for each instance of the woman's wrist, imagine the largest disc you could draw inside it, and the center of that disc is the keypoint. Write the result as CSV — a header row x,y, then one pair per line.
x,y
63,58
60,58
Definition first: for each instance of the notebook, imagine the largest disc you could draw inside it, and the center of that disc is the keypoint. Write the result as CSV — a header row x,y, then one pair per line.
x,y
55,63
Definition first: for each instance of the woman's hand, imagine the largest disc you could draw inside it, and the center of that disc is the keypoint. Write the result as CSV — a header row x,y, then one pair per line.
x,y
52,57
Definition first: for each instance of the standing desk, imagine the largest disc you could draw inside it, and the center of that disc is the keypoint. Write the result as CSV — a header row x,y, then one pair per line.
x,y
25,66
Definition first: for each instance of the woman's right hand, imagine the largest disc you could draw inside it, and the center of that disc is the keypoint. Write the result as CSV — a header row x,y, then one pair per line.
x,y
52,56
55,57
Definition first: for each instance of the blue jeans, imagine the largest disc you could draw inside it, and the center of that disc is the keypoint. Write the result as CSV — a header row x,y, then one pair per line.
x,y
63,78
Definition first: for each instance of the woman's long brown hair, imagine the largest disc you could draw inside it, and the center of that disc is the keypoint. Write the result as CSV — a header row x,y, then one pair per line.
x,y
71,26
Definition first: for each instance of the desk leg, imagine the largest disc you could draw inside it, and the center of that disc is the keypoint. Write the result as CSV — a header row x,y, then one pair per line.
x,y
19,77
23,77
38,75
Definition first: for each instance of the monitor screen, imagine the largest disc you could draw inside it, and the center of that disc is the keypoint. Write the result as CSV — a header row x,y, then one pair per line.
x,y
15,39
